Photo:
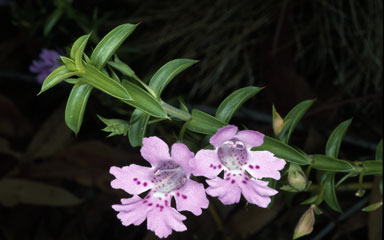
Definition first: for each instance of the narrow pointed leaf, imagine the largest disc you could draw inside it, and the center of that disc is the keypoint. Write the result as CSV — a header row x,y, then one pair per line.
x,y
372,207
122,67
283,151
334,141
103,82
137,130
325,163
234,101
110,43
77,45
329,194
204,123
144,101
59,74
80,51
76,104
69,63
167,72
294,116
332,150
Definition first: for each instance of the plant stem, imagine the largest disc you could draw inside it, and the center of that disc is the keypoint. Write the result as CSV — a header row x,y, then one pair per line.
x,y
175,112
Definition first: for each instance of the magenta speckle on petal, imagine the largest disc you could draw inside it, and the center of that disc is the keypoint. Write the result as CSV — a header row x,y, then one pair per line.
x,y
178,194
144,184
166,202
233,181
149,204
184,196
135,179
138,183
250,166
257,167
245,182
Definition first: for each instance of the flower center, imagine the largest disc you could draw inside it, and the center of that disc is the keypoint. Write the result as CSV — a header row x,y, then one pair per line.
x,y
169,176
233,154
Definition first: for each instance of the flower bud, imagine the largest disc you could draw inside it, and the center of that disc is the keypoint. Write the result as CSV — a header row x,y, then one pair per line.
x,y
296,177
277,122
305,224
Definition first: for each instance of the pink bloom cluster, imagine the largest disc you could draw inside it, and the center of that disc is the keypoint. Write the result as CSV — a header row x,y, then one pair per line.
x,y
242,167
169,177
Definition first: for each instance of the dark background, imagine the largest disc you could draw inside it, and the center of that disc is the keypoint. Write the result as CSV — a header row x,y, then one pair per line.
x,y
323,49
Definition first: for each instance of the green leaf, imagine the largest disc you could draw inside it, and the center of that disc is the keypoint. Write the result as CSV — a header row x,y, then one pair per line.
x,y
69,63
294,117
283,151
77,101
122,67
59,74
332,150
126,70
373,167
138,128
52,20
167,72
115,126
234,101
80,51
310,200
183,106
103,82
110,43
204,123
77,45
372,207
329,194
143,100
15,191
325,163
379,151
334,140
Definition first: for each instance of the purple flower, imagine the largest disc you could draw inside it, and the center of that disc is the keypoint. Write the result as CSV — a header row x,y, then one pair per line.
x,y
168,176
47,63
242,167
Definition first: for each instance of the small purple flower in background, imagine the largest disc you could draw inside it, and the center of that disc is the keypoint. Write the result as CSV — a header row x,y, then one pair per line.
x,y
168,176
46,64
242,167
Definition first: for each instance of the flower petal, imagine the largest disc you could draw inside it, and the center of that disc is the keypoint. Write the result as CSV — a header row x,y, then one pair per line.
x,y
250,138
133,179
206,163
154,150
181,155
227,190
262,164
257,192
191,197
222,135
163,221
132,211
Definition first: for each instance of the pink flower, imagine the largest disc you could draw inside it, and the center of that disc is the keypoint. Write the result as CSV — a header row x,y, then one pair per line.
x,y
168,176
242,167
